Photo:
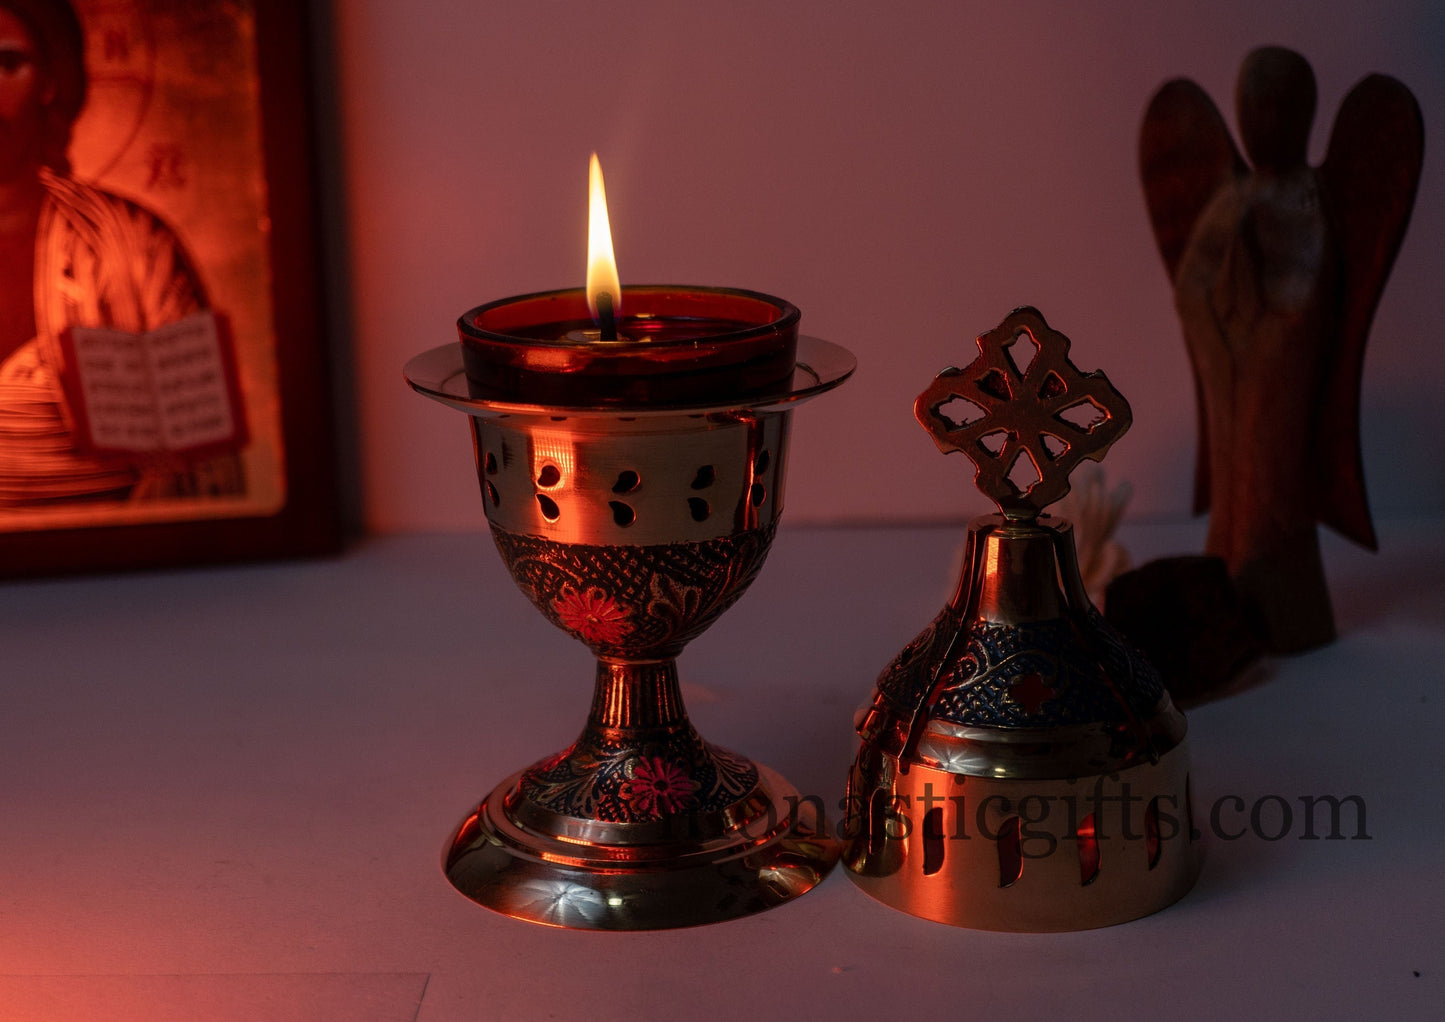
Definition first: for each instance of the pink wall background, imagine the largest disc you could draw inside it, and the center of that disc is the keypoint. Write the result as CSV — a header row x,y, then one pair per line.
x,y
905,173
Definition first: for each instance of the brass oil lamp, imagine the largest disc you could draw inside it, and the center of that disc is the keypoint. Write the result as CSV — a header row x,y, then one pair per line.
x,y
1021,767
631,449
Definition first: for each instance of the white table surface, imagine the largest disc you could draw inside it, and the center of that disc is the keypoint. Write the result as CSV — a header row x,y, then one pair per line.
x,y
224,793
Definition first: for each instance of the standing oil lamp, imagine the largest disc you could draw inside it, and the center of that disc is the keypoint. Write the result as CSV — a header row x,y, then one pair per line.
x,y
1022,767
631,449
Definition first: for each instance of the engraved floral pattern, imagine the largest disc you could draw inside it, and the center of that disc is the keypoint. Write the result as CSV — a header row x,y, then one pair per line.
x,y
634,601
592,614
621,781
657,787
1040,674
1047,674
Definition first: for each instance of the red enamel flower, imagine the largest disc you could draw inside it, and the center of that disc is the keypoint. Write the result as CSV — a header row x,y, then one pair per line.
x,y
1031,692
593,615
657,787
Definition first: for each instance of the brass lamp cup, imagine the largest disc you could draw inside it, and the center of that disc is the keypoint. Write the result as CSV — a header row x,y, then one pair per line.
x,y
633,529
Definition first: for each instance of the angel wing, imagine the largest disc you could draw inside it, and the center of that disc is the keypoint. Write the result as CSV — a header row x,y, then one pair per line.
x,y
1367,184
1186,155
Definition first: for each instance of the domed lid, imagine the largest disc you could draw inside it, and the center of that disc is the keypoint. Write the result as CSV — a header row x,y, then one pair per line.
x,y
1019,675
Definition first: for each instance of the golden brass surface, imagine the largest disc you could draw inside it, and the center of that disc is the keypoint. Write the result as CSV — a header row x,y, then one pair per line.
x,y
659,479
633,529
770,855
1049,891
1021,766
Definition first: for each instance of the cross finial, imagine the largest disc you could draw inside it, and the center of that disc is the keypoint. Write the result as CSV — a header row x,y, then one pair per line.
x,y
1026,426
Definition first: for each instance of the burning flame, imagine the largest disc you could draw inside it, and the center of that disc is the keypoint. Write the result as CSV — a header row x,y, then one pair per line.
x,y
601,265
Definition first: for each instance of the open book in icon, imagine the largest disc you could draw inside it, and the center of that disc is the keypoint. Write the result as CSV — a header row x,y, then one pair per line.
x,y
171,391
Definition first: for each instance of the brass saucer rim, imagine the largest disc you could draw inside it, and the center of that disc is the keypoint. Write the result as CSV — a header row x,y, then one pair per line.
x,y
821,365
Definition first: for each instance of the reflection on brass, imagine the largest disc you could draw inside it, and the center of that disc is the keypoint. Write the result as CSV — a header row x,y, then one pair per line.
x,y
1021,766
636,483
633,529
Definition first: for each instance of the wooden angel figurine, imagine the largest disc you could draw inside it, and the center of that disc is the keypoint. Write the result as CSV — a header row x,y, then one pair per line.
x,y
1277,269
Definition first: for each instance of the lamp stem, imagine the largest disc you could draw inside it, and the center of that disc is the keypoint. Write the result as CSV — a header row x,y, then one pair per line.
x,y
632,696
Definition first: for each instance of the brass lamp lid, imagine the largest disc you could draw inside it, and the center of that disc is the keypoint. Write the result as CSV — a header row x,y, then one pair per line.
x,y
1022,767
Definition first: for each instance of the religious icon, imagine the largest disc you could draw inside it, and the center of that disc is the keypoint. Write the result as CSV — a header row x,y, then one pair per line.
x,y
137,355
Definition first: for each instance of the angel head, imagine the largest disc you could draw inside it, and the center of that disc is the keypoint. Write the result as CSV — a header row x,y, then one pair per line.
x,y
1275,106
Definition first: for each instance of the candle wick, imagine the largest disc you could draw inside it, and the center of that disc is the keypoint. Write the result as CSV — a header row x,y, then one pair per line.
x,y
606,318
